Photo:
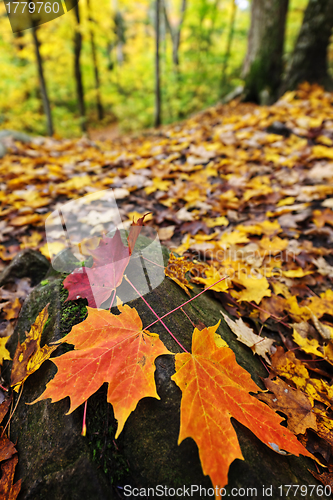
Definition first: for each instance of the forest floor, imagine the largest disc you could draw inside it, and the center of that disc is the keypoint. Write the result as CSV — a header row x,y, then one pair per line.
x,y
240,190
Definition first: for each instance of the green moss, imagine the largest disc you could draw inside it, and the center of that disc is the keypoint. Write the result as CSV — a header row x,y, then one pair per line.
x,y
101,429
72,311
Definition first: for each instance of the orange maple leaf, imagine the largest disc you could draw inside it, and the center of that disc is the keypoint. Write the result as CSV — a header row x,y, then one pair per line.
x,y
215,388
108,348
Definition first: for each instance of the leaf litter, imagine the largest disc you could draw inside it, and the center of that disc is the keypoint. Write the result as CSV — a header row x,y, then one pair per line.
x,y
231,198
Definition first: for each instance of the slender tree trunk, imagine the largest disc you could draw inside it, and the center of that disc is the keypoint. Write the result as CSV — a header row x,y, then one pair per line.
x,y
309,59
176,44
229,43
157,120
42,83
175,33
77,70
263,63
99,105
119,29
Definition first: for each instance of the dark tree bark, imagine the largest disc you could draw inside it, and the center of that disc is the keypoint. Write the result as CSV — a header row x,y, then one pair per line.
x,y
100,110
42,83
309,59
263,63
157,120
229,43
77,70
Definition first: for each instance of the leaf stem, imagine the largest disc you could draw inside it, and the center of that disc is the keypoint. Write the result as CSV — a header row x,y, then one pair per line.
x,y
84,426
12,413
272,315
157,316
112,299
190,300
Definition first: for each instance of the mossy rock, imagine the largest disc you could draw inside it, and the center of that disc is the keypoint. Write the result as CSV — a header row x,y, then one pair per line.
x,y
26,264
56,462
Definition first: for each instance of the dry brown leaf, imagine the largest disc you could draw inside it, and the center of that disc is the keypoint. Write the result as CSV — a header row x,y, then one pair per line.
x,y
292,402
259,345
8,490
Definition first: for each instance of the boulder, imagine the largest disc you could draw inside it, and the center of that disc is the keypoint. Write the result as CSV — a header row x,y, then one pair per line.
x,y
17,136
56,462
26,264
6,135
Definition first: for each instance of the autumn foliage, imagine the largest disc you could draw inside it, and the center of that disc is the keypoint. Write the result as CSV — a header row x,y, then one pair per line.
x,y
247,213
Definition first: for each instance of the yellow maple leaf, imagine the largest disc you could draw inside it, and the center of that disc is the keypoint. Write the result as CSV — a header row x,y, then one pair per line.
x,y
255,288
134,216
310,346
51,249
322,152
286,201
29,356
176,270
158,185
212,276
288,366
233,238
273,246
218,221
265,227
4,353
296,273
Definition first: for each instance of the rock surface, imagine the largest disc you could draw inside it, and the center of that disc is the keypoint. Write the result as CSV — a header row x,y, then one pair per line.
x,y
56,462
6,135
26,264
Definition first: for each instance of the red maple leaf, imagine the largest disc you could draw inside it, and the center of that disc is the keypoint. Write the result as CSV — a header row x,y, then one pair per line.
x,y
111,258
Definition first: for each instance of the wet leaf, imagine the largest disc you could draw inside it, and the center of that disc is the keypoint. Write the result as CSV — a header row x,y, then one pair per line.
x,y
112,349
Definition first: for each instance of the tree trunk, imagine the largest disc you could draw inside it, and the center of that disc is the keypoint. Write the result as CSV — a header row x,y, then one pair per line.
x,y
42,83
309,60
119,30
157,120
229,43
77,70
99,105
263,63
175,33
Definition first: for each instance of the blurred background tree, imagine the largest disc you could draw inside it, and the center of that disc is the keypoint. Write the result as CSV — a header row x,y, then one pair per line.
x,y
100,68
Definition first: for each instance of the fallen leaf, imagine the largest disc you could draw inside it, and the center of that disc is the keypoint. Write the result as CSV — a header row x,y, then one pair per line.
x,y
111,258
8,490
310,346
256,288
258,345
29,356
12,310
176,270
214,389
212,276
4,353
325,478
292,402
111,349
7,449
166,233
286,365
25,220
4,407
